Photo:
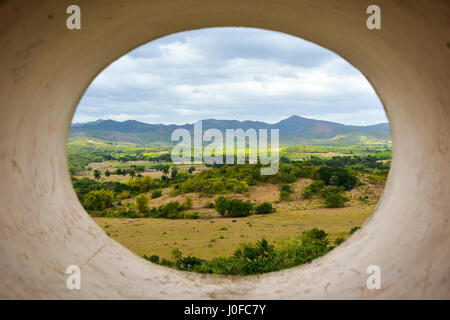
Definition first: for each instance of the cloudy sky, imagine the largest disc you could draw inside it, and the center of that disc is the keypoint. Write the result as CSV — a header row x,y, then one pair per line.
x,y
230,73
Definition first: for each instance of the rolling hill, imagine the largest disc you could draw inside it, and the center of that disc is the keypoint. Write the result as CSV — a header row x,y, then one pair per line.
x,y
293,131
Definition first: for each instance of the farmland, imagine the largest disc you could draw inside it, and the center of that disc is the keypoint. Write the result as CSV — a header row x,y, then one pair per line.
x,y
170,214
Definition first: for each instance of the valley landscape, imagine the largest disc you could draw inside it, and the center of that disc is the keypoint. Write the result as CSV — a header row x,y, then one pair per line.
x,y
229,219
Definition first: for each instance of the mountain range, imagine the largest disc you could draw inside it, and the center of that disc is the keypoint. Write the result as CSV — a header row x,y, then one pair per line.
x,y
294,130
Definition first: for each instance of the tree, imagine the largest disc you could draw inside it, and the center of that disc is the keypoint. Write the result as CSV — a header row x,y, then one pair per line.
x,y
107,173
142,203
221,205
191,169
98,199
333,197
263,208
156,194
132,173
97,174
285,192
187,203
165,169
173,172
239,208
141,184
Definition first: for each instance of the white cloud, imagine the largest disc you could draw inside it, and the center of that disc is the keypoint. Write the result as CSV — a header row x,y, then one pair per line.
x,y
234,73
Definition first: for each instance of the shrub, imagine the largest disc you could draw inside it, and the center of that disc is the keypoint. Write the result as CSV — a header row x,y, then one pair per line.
x,y
123,195
142,203
263,208
285,192
98,199
187,263
209,205
170,210
317,186
222,204
239,208
191,215
307,192
187,204
154,258
233,207
156,194
167,263
287,188
333,197
130,213
141,184
354,229
284,195
338,176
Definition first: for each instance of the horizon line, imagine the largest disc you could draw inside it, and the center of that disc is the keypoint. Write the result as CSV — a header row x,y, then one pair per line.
x,y
189,123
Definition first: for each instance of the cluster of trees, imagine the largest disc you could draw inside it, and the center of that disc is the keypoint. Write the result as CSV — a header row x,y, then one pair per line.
x,y
171,210
360,163
238,208
259,257
330,183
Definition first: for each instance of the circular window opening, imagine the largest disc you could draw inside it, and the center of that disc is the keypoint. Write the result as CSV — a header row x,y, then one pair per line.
x,y
229,150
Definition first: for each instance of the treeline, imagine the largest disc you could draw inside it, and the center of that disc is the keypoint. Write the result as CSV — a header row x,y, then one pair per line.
x,y
359,163
238,178
259,257
80,158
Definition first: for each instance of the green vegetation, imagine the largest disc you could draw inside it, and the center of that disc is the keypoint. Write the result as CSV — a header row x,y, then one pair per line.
x,y
259,257
318,187
142,203
264,208
233,207
98,199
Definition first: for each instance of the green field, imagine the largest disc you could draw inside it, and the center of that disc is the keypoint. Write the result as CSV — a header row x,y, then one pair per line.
x,y
209,238
152,207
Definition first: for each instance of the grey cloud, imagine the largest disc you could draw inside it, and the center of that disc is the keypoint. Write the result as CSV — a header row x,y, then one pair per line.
x,y
230,73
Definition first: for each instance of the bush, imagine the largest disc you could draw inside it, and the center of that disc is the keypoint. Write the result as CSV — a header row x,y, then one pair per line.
x,y
354,229
187,204
286,188
191,215
337,176
142,203
307,192
233,207
333,197
209,205
170,210
239,208
130,213
317,186
222,205
98,199
285,192
123,195
141,184
188,263
259,257
285,195
338,241
156,194
154,258
263,208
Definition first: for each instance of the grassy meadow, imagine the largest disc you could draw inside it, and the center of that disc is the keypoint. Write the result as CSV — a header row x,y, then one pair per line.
x,y
171,213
